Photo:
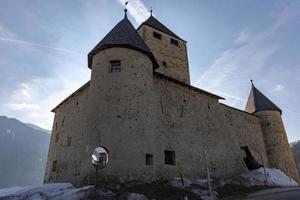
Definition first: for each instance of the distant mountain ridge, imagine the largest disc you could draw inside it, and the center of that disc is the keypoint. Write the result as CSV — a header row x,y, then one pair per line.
x,y
38,128
295,146
23,153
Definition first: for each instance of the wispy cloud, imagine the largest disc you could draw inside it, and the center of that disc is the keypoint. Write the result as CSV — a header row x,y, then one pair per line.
x,y
4,32
252,52
279,88
22,42
24,107
137,10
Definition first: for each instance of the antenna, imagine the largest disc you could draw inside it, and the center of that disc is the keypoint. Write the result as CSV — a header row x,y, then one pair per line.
x,y
125,8
251,80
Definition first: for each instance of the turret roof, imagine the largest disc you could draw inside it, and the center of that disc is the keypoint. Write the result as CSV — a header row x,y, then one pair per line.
x,y
154,23
257,101
123,35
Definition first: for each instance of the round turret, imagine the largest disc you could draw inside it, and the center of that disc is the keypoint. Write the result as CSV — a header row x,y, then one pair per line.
x,y
276,142
119,104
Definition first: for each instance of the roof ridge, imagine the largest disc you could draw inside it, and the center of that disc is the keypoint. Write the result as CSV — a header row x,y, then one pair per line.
x,y
156,24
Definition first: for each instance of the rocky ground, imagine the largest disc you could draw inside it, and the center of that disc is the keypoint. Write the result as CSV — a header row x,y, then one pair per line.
x,y
161,190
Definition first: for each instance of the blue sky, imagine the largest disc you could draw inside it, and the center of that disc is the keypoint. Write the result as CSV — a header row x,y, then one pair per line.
x,y
43,48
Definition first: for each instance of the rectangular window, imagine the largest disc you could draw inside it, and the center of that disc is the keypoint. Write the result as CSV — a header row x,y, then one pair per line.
x,y
69,141
149,159
170,157
115,66
156,35
174,42
164,63
54,166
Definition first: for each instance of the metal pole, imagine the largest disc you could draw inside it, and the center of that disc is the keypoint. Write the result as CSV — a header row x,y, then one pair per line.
x,y
96,178
263,163
208,176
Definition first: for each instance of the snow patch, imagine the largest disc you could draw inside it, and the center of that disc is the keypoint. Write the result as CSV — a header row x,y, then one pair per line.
x,y
176,182
135,196
275,177
53,191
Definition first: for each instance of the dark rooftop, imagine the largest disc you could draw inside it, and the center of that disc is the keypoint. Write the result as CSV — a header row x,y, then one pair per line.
x,y
123,35
154,23
257,101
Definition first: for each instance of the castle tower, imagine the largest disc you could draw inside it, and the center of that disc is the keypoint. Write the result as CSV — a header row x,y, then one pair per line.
x,y
169,50
118,107
275,138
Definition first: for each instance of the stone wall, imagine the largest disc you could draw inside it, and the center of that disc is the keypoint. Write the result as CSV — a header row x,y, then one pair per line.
x,y
119,116
175,57
190,122
66,146
277,145
134,114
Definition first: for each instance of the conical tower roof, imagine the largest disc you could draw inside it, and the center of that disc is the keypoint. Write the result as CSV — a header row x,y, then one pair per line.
x,y
257,101
154,23
123,35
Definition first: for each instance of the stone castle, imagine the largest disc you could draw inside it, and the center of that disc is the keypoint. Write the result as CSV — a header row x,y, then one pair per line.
x,y
140,105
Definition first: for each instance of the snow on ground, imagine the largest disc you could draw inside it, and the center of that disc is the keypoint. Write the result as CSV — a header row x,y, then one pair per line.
x,y
256,177
135,196
62,191
274,177
176,182
66,191
202,193
48,191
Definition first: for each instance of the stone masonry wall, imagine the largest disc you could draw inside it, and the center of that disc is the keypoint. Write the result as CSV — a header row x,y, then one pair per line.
x,y
134,113
119,116
277,145
175,57
137,122
189,123
66,145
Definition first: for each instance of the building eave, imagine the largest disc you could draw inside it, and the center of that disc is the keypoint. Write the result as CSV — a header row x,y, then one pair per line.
x,y
187,85
70,96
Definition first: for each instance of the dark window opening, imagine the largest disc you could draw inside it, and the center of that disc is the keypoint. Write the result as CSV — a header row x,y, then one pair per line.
x,y
182,108
170,157
162,106
54,166
57,137
63,122
174,42
69,141
115,66
164,63
156,35
149,159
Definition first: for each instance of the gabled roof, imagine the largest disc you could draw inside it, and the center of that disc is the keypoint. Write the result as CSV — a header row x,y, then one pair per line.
x,y
154,23
257,101
123,35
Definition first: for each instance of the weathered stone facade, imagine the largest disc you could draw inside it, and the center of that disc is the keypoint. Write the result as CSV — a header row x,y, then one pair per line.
x,y
277,146
172,59
154,122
